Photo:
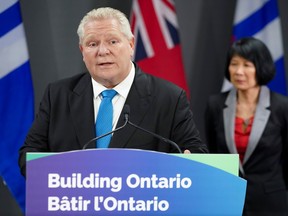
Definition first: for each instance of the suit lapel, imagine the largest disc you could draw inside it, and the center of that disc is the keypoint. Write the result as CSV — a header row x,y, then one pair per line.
x,y
82,110
260,120
139,100
229,114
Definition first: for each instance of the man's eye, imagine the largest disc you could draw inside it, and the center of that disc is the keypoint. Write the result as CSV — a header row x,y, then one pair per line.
x,y
113,41
91,44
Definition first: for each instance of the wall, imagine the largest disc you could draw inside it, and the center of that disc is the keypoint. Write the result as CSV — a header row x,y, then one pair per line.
x,y
205,29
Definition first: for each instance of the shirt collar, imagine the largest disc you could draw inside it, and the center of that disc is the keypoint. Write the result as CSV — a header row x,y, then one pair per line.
x,y
122,88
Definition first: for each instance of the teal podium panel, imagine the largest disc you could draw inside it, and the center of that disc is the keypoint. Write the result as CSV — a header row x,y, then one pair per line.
x,y
130,182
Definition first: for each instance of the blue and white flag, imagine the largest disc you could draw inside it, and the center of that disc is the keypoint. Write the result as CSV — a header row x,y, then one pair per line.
x,y
260,19
16,96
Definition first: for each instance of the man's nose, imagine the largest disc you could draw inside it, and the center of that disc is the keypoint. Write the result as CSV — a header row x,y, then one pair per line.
x,y
103,49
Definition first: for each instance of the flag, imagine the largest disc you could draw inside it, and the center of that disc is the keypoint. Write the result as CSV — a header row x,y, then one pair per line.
x,y
157,44
260,19
16,96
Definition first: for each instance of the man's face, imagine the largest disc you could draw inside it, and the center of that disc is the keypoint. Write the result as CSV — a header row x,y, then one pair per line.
x,y
106,52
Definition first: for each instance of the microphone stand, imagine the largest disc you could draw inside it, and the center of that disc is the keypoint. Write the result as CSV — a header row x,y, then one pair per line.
x,y
158,136
126,116
103,135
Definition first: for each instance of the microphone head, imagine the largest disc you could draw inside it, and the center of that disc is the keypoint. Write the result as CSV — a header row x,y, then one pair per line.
x,y
126,111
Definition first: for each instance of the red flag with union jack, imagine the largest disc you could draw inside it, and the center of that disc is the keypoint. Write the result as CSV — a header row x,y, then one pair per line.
x,y
157,44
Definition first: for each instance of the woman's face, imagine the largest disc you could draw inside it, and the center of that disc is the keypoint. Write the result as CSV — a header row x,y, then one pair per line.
x,y
242,73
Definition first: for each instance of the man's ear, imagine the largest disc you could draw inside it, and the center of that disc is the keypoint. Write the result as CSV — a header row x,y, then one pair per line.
x,y
81,48
132,46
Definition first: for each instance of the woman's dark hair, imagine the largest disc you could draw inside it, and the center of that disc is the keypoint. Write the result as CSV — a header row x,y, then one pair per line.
x,y
257,52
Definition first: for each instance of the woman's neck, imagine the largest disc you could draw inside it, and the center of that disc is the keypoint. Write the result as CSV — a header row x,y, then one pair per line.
x,y
247,102
250,96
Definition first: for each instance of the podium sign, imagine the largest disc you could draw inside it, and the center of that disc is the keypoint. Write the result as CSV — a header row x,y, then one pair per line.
x,y
129,182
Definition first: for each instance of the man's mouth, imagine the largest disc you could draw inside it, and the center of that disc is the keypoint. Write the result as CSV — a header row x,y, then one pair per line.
x,y
105,63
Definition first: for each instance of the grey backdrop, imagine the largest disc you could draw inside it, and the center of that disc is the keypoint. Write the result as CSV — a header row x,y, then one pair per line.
x,y
205,29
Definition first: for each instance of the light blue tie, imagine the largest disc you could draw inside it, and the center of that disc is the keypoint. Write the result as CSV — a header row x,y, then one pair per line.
x,y
104,118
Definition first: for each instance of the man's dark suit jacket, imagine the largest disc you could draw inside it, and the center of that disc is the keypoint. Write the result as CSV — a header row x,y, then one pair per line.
x,y
65,120
265,161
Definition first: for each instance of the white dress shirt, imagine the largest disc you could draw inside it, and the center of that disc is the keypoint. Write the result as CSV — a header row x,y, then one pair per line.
x,y
118,100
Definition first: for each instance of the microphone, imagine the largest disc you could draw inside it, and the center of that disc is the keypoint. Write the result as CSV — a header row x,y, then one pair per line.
x,y
126,111
126,116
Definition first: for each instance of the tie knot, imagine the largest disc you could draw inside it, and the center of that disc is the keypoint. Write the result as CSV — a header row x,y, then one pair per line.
x,y
110,93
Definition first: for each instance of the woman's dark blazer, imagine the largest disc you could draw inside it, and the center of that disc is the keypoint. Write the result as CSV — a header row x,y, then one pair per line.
x,y
265,161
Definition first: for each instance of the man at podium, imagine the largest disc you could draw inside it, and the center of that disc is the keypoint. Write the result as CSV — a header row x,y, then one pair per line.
x,y
75,110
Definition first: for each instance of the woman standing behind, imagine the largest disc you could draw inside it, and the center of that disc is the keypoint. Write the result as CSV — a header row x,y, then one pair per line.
x,y
252,121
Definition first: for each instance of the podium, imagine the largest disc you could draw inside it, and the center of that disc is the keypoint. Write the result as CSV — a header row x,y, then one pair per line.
x,y
133,182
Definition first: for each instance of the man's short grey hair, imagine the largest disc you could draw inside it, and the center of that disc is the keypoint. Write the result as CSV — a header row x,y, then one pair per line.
x,y
102,14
